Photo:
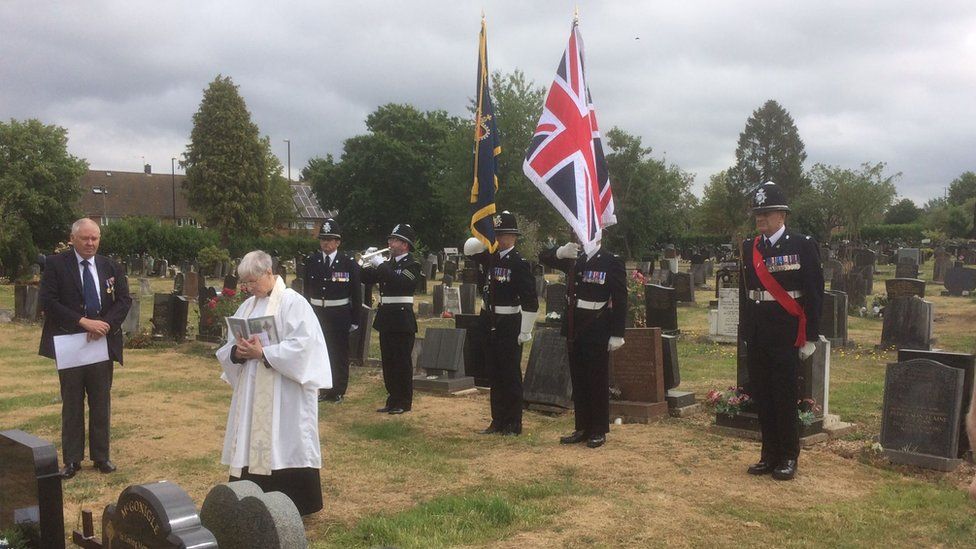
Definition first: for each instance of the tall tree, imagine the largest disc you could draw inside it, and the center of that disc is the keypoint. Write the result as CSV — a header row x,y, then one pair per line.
x,y
653,200
962,188
232,178
769,149
853,198
902,212
721,210
38,191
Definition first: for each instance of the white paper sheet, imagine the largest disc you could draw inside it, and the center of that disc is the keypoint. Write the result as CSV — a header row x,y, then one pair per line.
x,y
75,350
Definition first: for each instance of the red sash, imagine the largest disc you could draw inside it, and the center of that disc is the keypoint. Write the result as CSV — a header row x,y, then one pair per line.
x,y
784,299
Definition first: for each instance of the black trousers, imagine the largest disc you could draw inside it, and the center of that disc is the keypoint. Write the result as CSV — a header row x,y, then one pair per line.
x,y
95,381
303,485
503,362
773,376
337,343
589,369
395,351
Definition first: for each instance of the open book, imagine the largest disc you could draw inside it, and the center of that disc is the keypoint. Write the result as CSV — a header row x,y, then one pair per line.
x,y
261,326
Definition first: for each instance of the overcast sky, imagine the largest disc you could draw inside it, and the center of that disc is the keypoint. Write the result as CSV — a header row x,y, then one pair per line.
x,y
891,80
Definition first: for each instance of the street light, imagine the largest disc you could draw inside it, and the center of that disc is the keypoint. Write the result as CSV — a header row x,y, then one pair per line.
x,y
102,190
172,164
288,141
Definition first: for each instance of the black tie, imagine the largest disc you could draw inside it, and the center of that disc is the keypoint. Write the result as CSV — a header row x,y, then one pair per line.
x,y
90,291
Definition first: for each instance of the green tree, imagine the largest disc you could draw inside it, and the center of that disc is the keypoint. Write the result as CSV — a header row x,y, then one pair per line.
x,y
652,200
902,212
721,210
769,149
962,188
231,176
38,191
853,198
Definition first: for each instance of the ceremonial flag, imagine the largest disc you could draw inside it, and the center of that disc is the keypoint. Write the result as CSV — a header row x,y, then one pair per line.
x,y
565,158
486,149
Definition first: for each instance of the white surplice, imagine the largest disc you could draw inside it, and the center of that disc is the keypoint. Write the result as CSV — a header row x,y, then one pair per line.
x,y
301,367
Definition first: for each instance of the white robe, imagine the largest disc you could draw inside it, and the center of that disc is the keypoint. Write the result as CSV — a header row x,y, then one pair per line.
x,y
301,368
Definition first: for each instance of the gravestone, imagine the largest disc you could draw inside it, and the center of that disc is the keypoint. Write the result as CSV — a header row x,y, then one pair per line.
x,y
662,276
683,288
709,269
540,285
298,285
864,265
962,361
230,281
469,272
421,286
813,378
906,269
191,285
909,255
556,298
179,282
452,300
725,317
158,515
474,347
680,403
637,377
162,267
661,308
169,316
442,359
959,279
144,287
27,302
548,386
854,288
904,287
30,489
833,318
698,274
921,413
469,296
359,339
834,272
450,269
726,277
907,324
423,309
131,323
437,302
240,514
942,263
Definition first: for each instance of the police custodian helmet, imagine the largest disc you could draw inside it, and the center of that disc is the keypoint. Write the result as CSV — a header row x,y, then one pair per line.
x,y
404,232
768,197
505,223
330,229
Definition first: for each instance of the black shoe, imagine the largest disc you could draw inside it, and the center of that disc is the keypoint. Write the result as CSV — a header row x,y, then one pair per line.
x,y
576,436
384,410
395,411
786,470
70,470
490,430
105,466
763,467
596,441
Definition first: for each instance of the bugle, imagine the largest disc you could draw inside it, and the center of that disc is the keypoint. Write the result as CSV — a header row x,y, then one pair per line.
x,y
363,256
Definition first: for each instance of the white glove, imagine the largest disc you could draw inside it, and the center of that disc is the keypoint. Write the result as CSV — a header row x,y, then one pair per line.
x,y
377,260
807,350
473,246
528,322
370,250
615,343
353,327
569,250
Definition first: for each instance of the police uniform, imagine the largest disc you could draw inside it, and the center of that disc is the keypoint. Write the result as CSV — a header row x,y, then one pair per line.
x,y
332,286
510,308
395,321
597,294
771,333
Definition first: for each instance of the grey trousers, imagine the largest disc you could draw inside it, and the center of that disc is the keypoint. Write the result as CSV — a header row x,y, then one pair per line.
x,y
95,381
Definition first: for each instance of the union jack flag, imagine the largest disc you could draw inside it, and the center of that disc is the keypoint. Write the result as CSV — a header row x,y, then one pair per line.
x,y
565,158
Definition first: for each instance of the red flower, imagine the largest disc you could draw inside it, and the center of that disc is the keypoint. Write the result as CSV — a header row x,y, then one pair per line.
x,y
212,303
228,292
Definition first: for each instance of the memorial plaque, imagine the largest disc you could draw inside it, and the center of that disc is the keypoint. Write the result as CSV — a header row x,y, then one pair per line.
x,y
904,287
474,347
661,308
556,298
906,270
442,359
158,515
962,361
359,339
547,385
959,279
30,489
921,413
683,288
728,312
907,324
452,300
637,377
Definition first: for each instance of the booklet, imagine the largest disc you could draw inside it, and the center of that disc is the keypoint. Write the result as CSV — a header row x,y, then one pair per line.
x,y
261,326
75,350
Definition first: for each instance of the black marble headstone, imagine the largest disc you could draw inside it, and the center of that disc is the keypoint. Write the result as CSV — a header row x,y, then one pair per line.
x,y
963,361
683,288
556,298
230,281
906,269
437,303
833,317
469,297
30,489
959,279
672,376
359,338
162,316
661,308
158,515
442,360
907,324
921,412
547,381
904,287
474,347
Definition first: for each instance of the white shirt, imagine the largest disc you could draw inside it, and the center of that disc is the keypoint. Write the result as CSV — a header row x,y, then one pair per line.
x,y
504,252
94,273
401,256
772,239
329,258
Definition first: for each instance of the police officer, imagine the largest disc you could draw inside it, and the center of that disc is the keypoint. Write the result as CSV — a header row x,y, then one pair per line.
x,y
508,315
332,287
780,294
596,312
397,278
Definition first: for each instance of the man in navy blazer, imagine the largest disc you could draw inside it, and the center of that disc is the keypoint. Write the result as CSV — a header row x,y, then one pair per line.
x,y
82,292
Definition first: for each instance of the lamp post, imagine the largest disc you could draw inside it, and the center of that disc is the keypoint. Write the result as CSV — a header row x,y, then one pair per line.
x,y
172,164
288,141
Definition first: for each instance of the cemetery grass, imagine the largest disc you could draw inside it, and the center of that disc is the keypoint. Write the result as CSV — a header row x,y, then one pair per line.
x,y
426,479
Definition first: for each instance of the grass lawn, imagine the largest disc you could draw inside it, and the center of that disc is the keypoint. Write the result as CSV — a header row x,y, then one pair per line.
x,y
426,479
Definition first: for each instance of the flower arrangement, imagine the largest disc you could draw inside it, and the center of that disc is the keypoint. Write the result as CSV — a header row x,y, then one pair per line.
x,y
636,312
729,402
223,304
806,411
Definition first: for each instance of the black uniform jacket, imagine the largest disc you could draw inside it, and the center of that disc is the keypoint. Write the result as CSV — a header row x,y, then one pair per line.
x,y
338,281
509,284
794,261
602,278
395,278
63,302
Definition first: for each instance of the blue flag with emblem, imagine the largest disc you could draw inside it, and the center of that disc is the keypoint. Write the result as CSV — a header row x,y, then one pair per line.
x,y
487,147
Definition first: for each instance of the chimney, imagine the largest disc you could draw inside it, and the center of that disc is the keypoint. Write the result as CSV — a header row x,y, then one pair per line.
x,y
148,169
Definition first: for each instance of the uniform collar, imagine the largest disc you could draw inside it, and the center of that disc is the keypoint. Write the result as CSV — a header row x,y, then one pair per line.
x,y
400,257
775,238
331,257
505,252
